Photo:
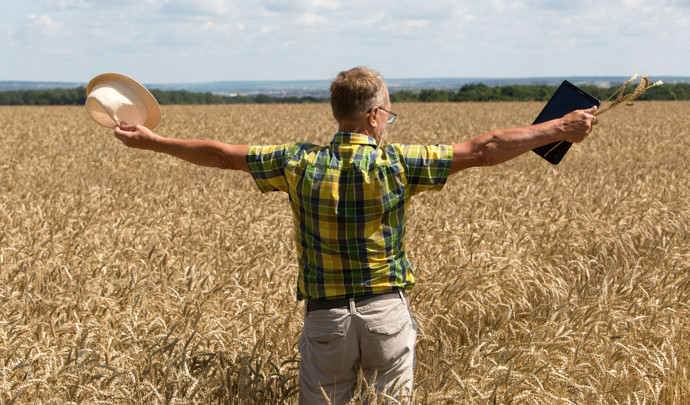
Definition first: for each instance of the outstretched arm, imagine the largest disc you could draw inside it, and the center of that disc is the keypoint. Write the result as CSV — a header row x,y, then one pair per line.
x,y
502,145
202,153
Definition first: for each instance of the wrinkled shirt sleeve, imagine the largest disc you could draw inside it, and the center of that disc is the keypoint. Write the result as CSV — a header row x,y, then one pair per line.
x,y
267,166
427,167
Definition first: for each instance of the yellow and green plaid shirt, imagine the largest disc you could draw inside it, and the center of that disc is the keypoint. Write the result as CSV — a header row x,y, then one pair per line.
x,y
349,202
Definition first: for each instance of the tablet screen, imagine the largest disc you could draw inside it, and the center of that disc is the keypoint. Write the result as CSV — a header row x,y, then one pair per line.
x,y
566,99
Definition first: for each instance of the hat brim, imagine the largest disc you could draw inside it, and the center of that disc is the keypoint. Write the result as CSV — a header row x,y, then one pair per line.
x,y
148,101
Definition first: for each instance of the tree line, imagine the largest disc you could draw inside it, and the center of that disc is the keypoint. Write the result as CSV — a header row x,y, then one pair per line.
x,y
482,92
468,92
77,96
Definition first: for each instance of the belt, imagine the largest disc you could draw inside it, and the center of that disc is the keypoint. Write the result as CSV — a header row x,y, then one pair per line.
x,y
315,305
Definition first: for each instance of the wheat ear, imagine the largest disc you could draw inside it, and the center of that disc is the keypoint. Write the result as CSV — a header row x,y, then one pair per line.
x,y
622,97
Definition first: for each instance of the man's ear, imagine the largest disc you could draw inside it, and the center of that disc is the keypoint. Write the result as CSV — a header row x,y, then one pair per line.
x,y
371,117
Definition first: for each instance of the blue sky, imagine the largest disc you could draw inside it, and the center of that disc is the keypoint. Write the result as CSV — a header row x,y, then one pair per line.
x,y
166,41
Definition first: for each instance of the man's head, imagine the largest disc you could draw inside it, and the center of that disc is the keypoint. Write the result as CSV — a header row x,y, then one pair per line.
x,y
354,92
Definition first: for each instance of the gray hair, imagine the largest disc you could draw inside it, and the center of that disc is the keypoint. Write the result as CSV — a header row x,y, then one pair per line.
x,y
354,92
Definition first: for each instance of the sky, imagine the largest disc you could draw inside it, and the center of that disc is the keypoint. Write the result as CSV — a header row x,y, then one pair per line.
x,y
191,41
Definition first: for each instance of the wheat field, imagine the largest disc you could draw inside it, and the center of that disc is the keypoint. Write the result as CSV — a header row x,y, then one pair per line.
x,y
128,277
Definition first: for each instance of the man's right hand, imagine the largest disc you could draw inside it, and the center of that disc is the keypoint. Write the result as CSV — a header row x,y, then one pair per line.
x,y
135,136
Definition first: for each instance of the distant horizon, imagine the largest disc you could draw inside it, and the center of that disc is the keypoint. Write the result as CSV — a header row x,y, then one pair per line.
x,y
319,88
387,79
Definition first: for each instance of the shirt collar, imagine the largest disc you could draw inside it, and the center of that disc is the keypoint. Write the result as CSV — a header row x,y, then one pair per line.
x,y
353,139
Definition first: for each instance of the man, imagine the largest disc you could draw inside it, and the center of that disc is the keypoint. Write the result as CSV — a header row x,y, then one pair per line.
x,y
349,202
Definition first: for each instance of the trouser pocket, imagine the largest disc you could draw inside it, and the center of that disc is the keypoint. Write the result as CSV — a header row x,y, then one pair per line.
x,y
329,350
388,335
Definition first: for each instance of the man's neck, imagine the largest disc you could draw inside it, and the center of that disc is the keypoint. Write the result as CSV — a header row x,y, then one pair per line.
x,y
354,128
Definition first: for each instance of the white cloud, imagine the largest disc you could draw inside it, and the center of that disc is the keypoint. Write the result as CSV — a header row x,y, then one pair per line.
x,y
93,4
312,19
44,25
66,4
286,6
44,21
267,29
416,23
632,3
370,19
198,7
7,31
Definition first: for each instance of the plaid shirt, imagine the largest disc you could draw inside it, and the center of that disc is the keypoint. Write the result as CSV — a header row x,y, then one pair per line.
x,y
349,202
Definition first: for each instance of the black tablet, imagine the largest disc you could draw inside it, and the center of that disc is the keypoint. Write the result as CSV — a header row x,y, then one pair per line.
x,y
567,98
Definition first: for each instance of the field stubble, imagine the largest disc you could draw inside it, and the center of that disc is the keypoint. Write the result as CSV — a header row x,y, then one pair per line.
x,y
130,277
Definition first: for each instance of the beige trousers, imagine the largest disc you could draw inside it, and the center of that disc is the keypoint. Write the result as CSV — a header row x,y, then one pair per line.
x,y
377,338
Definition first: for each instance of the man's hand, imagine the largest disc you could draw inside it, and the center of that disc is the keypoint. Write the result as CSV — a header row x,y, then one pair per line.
x,y
578,124
135,136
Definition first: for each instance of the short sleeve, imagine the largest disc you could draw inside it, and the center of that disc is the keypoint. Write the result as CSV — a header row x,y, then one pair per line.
x,y
267,166
427,167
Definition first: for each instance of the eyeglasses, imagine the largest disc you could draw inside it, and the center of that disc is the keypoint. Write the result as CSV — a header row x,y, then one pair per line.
x,y
391,118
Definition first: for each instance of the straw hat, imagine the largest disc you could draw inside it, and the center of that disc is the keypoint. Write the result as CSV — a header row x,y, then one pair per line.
x,y
112,98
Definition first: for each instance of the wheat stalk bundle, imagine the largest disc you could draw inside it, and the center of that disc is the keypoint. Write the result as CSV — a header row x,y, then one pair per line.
x,y
622,97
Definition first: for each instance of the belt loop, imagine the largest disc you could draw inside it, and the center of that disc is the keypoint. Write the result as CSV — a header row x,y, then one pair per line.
x,y
403,298
353,309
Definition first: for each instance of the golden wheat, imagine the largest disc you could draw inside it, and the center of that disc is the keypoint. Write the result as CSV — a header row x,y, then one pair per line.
x,y
130,277
623,97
